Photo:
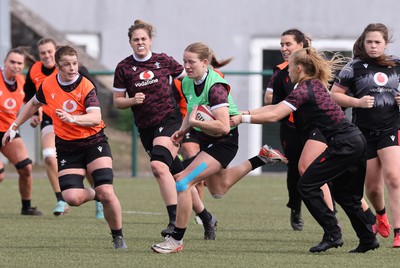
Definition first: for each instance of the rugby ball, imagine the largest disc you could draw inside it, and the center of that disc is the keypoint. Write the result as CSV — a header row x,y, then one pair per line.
x,y
204,114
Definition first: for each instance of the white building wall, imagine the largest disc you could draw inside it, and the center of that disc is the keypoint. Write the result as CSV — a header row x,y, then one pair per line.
x,y
229,27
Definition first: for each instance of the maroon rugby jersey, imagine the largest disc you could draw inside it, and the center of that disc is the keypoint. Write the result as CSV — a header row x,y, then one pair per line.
x,y
152,78
314,108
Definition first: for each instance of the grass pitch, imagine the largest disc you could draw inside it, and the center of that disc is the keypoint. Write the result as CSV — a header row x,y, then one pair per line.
x,y
253,231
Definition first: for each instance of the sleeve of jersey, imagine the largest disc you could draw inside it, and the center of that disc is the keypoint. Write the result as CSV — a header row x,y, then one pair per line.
x,y
177,69
345,77
297,97
40,96
271,81
278,91
218,96
29,87
119,83
92,101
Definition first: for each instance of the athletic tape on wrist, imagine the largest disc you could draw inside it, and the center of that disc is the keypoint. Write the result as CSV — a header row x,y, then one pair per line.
x,y
246,118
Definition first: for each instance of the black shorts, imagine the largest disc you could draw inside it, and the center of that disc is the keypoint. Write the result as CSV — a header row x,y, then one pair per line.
x,y
377,140
2,135
316,135
223,149
343,163
191,137
168,127
46,121
82,158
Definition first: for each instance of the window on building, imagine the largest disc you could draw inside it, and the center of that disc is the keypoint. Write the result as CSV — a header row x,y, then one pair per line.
x,y
268,52
88,42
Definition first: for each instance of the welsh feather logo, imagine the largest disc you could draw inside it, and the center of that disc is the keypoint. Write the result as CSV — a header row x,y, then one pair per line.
x,y
380,79
69,106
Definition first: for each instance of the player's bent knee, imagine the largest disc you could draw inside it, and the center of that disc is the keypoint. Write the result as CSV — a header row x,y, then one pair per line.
x,y
182,185
102,176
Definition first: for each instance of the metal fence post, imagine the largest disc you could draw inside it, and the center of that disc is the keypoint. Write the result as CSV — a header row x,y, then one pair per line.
x,y
134,150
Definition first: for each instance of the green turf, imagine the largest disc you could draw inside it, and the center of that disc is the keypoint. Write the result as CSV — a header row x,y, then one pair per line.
x,y
253,231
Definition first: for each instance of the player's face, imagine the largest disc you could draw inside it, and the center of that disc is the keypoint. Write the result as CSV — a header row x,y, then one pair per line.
x,y
289,45
194,67
140,43
46,54
68,68
374,44
13,65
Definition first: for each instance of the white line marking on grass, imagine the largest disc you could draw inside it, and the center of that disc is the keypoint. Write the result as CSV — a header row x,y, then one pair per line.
x,y
143,212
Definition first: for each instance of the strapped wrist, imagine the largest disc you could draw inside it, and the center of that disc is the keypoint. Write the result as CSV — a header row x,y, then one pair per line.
x,y
72,119
14,126
246,118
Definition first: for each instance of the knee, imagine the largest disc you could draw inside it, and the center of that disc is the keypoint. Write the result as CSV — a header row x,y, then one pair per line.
x,y
105,194
161,159
159,169
73,202
73,199
393,182
373,191
49,153
217,195
24,167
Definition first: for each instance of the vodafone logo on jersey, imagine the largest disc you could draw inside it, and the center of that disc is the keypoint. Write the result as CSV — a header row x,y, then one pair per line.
x,y
69,106
146,75
10,103
380,79
148,79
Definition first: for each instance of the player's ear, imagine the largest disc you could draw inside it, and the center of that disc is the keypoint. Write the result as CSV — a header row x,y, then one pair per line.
x,y
299,68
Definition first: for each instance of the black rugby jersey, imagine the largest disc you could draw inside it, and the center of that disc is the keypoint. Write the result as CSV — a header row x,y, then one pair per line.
x,y
359,79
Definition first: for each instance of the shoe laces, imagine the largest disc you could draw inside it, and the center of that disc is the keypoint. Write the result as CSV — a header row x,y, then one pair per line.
x,y
272,156
169,242
383,221
118,240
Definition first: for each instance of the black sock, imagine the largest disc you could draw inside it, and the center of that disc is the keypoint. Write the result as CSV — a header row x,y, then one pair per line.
x,y
178,233
171,213
26,204
396,231
116,233
205,216
381,212
59,196
370,216
256,162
